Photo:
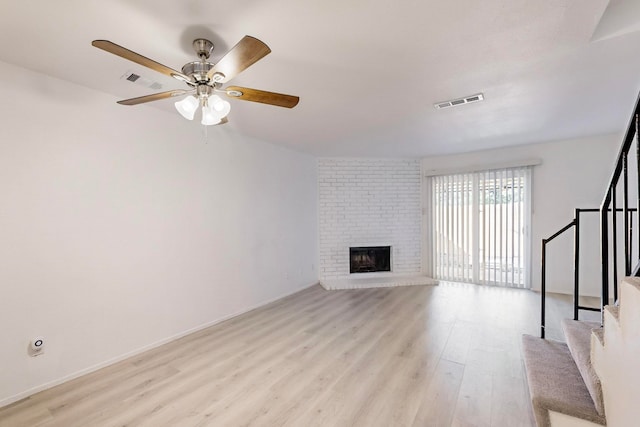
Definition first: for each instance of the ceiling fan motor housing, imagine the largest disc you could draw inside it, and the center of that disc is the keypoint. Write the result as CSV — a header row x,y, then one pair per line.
x,y
197,70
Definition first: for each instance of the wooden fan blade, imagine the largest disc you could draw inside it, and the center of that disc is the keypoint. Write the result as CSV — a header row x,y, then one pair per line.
x,y
139,59
223,121
255,95
154,97
247,52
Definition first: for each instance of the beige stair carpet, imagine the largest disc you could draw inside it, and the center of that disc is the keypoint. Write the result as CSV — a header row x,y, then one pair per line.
x,y
555,382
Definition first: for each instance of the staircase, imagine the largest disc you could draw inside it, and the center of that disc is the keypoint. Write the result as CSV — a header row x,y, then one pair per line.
x,y
615,355
594,379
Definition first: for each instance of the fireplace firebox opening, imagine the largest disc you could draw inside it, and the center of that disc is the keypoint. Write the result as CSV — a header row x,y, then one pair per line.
x,y
369,259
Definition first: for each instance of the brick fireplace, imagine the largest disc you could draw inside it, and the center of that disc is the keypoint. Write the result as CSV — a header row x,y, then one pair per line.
x,y
366,203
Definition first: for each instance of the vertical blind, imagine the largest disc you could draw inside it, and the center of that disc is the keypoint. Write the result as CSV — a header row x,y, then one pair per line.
x,y
479,227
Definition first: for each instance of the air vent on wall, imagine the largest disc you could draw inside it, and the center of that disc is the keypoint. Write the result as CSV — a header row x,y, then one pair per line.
x,y
140,80
460,101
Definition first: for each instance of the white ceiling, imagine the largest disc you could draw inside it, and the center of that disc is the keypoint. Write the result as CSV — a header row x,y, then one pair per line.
x,y
368,72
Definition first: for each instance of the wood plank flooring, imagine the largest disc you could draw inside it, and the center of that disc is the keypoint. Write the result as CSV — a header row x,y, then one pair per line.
x,y
446,355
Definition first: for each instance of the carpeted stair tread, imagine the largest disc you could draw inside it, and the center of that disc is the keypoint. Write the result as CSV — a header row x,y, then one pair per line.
x,y
578,336
555,382
599,334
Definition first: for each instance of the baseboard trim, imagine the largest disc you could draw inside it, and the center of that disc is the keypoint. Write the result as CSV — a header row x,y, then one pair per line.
x,y
30,392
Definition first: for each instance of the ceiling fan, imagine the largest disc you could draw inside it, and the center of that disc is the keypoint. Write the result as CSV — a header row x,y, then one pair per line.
x,y
205,79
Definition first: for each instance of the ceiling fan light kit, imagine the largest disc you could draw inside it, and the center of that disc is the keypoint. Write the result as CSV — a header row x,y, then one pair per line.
x,y
187,107
206,79
214,109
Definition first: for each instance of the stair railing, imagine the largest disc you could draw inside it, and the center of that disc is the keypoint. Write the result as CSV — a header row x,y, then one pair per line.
x,y
609,205
609,202
543,286
575,224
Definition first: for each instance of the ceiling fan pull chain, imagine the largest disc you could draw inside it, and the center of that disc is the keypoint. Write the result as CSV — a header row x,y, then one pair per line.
x,y
205,133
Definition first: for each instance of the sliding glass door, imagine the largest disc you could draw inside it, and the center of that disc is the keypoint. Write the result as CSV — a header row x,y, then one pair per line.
x,y
480,227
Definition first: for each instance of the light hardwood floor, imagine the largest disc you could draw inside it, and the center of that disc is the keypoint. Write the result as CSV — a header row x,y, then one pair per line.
x,y
446,355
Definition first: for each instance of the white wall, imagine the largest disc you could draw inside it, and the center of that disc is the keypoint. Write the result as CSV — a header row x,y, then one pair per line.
x,y
122,227
574,174
369,202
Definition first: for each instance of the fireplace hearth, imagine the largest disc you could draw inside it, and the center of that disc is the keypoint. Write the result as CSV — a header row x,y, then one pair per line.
x,y
369,259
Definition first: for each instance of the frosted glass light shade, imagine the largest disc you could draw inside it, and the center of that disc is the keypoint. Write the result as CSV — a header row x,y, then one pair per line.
x,y
221,106
210,116
187,107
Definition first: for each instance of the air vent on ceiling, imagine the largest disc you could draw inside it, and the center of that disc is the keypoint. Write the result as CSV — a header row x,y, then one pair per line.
x,y
140,80
460,101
